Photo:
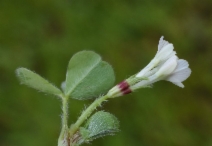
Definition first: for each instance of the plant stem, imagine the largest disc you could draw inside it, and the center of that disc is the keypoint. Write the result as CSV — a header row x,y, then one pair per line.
x,y
65,114
64,135
86,114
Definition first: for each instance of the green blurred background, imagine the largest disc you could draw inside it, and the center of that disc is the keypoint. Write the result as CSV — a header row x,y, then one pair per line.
x,y
42,35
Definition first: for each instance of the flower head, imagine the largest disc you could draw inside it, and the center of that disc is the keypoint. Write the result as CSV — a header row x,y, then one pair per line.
x,y
164,66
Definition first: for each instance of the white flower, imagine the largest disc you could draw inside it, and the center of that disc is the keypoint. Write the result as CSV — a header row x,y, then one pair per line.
x,y
164,66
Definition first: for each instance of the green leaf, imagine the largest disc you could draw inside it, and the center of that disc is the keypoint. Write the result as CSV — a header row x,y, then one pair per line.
x,y
99,125
35,81
88,76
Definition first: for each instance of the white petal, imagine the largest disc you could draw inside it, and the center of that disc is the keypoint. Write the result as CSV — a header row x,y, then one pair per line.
x,y
145,83
182,64
179,76
162,43
168,67
151,72
166,49
148,68
165,53
178,84
140,84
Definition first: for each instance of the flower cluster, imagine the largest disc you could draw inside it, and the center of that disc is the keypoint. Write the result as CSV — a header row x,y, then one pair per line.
x,y
164,66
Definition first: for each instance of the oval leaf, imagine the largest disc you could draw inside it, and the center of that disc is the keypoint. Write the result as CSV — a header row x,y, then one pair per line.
x,y
88,76
99,125
35,81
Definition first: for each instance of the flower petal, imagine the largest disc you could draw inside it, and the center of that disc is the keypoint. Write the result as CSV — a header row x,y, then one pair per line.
x,y
179,76
178,84
181,64
168,67
162,43
165,53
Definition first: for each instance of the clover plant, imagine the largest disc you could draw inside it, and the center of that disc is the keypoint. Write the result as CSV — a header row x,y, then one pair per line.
x,y
89,77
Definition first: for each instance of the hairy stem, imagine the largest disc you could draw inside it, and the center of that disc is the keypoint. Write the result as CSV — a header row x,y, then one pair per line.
x,y
65,114
64,135
86,114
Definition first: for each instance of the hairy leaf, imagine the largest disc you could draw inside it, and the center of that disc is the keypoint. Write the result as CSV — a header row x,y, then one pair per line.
x,y
99,125
35,81
88,76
